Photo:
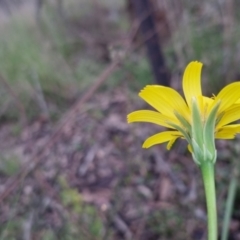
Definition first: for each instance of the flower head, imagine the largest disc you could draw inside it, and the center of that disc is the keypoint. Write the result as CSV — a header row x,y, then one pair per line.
x,y
198,119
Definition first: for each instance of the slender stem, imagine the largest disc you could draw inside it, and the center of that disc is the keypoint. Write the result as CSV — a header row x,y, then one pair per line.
x,y
207,169
229,206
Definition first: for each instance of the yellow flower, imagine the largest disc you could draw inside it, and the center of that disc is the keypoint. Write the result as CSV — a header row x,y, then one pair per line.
x,y
193,118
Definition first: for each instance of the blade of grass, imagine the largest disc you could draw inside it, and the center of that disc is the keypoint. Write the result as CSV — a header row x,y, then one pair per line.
x,y
233,185
229,207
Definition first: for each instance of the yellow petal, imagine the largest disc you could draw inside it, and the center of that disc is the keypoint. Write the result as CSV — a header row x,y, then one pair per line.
x,y
238,101
171,142
204,104
192,81
231,114
189,148
225,135
207,102
227,96
149,116
228,132
166,100
161,138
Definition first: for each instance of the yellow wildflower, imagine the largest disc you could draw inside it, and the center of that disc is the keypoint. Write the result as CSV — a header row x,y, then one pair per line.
x,y
183,117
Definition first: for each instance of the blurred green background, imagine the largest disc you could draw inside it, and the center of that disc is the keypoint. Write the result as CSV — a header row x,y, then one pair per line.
x,y
95,181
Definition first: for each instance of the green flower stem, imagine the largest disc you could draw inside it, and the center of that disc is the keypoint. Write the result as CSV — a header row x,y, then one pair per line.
x,y
207,169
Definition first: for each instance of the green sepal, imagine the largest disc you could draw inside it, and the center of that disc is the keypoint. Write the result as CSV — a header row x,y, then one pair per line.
x,y
209,131
181,130
183,121
197,128
209,156
219,117
197,152
195,159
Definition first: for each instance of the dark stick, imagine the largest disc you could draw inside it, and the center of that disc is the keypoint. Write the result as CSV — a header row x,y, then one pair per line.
x,y
143,8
